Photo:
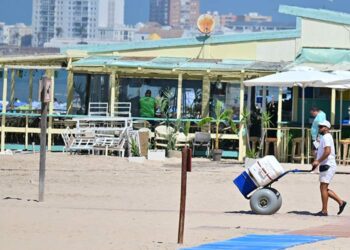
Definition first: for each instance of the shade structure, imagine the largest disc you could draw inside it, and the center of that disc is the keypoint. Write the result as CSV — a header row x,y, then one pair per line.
x,y
302,77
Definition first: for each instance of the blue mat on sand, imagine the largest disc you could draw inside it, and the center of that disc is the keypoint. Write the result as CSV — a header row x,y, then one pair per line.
x,y
261,242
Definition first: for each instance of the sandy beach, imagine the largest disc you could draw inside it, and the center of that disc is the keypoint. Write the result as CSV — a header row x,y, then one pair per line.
x,y
98,202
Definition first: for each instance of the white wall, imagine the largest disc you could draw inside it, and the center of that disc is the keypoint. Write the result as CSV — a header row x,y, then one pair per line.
x,y
277,51
322,34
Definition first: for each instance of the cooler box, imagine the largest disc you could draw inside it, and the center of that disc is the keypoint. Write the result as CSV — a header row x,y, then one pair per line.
x,y
245,183
265,170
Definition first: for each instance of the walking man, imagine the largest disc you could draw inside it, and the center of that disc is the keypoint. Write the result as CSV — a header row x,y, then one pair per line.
x,y
325,160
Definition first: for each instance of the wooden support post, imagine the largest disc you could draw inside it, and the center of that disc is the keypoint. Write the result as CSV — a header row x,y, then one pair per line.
x,y
295,103
112,91
186,167
279,124
242,142
179,97
117,86
12,93
70,91
88,92
205,96
30,103
70,87
249,99
333,104
3,118
43,126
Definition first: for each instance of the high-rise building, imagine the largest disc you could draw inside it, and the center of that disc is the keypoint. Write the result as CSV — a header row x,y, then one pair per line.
x,y
159,11
175,13
76,18
43,21
64,19
111,13
189,13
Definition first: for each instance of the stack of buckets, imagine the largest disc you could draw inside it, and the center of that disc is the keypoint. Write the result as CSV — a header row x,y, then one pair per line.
x,y
259,174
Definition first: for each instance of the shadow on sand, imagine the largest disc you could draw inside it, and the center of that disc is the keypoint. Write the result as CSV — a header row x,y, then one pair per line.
x,y
240,212
18,199
302,213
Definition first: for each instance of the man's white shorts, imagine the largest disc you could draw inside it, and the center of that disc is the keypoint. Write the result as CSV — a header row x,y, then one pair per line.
x,y
327,176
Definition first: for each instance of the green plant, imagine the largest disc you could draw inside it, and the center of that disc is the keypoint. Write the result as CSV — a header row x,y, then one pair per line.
x,y
265,123
187,128
221,115
171,137
163,103
252,153
135,151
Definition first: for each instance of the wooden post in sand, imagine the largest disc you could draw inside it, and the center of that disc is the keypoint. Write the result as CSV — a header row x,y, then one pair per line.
x,y
45,97
186,167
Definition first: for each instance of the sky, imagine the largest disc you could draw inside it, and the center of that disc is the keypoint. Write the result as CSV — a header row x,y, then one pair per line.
x,y
15,11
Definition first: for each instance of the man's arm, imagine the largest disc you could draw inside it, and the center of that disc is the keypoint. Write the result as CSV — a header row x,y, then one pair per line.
x,y
326,153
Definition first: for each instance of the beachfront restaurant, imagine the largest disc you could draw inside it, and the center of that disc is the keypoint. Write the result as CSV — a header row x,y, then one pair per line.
x,y
197,71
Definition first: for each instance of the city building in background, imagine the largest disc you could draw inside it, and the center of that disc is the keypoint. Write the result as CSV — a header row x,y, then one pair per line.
x,y
117,33
159,12
111,13
76,19
174,13
18,34
43,21
64,19
189,13
58,23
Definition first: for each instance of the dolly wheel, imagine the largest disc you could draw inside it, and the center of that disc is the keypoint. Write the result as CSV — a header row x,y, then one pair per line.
x,y
266,201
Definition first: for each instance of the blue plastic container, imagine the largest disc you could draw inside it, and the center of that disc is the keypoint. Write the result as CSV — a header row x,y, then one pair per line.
x,y
245,184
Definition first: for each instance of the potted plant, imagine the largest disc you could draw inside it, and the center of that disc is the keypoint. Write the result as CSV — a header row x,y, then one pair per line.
x,y
251,153
178,139
221,115
135,152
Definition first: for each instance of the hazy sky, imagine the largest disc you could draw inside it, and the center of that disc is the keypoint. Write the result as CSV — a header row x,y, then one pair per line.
x,y
14,11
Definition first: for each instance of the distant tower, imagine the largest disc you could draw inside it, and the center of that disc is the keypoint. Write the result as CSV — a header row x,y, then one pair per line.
x,y
111,13
159,11
63,18
77,18
43,21
176,13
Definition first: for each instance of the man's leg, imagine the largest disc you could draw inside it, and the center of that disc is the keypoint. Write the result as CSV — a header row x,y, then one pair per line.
x,y
335,197
324,196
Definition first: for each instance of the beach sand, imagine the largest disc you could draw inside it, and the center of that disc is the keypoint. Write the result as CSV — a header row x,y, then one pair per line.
x,y
98,202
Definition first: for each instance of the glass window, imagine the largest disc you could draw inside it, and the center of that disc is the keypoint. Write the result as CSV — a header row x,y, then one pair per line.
x,y
89,88
132,89
191,99
228,93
